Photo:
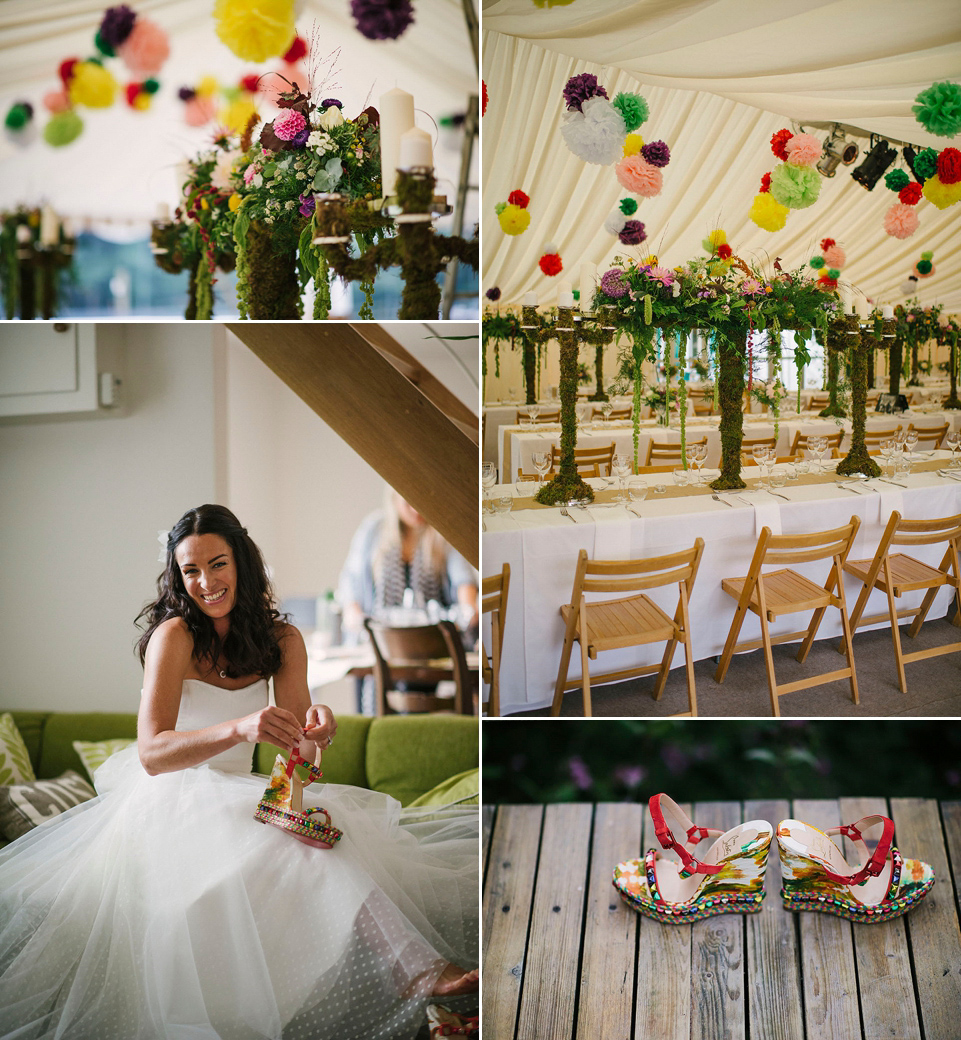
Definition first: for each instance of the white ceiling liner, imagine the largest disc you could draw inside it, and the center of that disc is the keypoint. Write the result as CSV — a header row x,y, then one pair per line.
x,y
719,143
125,162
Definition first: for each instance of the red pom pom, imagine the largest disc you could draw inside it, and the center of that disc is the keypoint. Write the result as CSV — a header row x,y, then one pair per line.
x,y
132,90
824,282
518,198
778,141
766,182
949,166
296,51
483,98
724,251
826,243
66,70
910,194
251,82
550,264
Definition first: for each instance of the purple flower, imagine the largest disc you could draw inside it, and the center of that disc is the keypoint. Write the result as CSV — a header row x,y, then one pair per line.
x,y
382,19
656,153
186,93
307,204
633,233
580,774
493,294
580,88
630,776
116,25
331,103
675,759
614,282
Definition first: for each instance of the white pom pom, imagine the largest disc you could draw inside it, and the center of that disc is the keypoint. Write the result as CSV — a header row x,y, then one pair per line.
x,y
909,287
615,222
549,248
596,133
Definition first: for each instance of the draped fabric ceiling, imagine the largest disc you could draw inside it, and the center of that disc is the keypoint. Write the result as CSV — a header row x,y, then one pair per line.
x,y
720,77
125,162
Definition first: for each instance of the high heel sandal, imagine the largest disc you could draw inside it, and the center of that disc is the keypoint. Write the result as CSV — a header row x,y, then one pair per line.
x,y
282,804
728,880
816,876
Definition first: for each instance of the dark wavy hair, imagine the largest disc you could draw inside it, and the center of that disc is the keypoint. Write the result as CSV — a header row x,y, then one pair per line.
x,y
251,646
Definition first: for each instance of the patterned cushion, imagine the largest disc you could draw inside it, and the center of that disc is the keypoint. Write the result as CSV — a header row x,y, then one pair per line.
x,y
93,753
15,767
24,806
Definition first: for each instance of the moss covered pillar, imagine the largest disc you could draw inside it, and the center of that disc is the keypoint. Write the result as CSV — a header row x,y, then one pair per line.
x,y
730,380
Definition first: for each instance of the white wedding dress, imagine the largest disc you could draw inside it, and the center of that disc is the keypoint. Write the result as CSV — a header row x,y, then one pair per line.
x,y
162,910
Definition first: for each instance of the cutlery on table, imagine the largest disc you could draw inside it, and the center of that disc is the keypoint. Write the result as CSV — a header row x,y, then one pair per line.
x,y
776,495
846,487
894,482
717,498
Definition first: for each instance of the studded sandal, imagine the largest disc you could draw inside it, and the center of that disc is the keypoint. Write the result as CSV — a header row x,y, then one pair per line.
x,y
282,803
816,876
729,879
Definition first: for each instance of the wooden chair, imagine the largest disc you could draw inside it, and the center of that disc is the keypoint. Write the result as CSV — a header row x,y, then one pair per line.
x,y
749,443
819,401
659,452
896,574
703,404
657,469
800,442
788,592
628,621
411,654
873,437
591,462
542,416
616,413
929,437
494,602
749,460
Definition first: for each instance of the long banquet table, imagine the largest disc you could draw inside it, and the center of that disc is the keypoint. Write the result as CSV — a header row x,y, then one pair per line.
x,y
541,546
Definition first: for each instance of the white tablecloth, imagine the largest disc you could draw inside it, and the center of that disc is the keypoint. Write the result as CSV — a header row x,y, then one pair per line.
x,y
541,547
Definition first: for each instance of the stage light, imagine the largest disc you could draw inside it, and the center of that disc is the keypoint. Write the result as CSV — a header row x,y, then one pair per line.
x,y
881,156
838,149
910,155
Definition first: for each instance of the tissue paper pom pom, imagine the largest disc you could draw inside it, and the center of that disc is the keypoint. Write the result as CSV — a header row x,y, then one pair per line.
x,y
834,256
724,251
633,109
713,240
198,111
926,164
484,99
901,221
939,194
493,294
628,206
92,85
949,166
796,187
65,70
615,222
633,233
514,220
908,287
289,124
56,101
826,243
767,212
927,255
834,273
382,19
803,150
150,85
145,49
910,194
638,176
21,112
207,87
116,25
519,198
924,269
939,109
550,247
633,143
63,128
550,264
596,133
896,180
250,83
765,183
580,88
132,92
255,30
236,114
499,207
826,282
817,262
656,153
778,142
614,283
296,51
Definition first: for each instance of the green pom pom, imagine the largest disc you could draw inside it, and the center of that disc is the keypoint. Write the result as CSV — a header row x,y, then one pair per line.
x,y
500,207
926,164
150,86
924,266
817,262
628,206
104,48
633,109
939,109
927,255
896,180
796,187
63,128
834,273
17,117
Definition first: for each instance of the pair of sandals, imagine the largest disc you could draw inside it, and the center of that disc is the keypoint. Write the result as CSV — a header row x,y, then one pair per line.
x,y
729,877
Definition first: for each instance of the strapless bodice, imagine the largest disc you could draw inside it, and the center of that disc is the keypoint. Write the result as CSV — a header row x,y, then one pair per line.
x,y
202,704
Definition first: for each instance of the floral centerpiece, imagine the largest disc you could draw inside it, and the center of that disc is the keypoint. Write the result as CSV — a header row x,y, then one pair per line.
x,y
30,267
916,325
770,395
500,328
948,332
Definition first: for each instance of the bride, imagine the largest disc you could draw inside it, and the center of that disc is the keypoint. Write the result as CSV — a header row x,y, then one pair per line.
x,y
163,909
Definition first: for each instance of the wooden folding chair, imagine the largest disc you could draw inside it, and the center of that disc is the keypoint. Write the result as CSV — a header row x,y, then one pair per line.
x,y
800,442
591,462
553,415
748,444
494,602
628,621
660,452
787,592
898,573
703,404
616,413
819,401
874,436
929,437
781,460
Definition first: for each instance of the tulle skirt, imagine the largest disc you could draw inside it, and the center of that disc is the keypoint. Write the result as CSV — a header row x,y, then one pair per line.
x,y
162,909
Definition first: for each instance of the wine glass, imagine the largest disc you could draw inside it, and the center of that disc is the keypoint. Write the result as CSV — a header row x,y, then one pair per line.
x,y
606,409
700,459
690,453
819,447
910,443
534,410
759,451
621,466
542,462
887,449
488,480
512,395
953,441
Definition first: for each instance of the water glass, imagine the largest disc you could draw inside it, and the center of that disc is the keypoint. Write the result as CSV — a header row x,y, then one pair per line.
x,y
778,476
637,489
621,466
488,480
681,477
503,503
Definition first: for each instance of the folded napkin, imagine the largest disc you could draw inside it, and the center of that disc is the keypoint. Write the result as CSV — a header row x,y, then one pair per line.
x,y
766,514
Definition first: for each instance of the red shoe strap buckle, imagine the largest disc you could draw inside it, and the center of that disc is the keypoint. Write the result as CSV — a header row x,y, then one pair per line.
x,y
668,841
874,865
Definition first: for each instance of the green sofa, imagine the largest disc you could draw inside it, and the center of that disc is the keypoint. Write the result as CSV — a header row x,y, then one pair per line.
x,y
401,755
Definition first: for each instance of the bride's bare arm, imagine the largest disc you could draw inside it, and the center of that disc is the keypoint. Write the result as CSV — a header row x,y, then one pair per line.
x,y
164,750
290,692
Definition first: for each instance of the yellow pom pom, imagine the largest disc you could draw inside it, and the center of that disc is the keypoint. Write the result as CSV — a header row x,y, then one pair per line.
x,y
233,203
141,102
633,143
514,220
767,212
717,238
92,85
255,30
207,87
940,194
236,114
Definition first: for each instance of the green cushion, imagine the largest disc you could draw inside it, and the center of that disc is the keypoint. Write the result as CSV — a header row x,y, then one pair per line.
x,y
343,762
463,789
15,764
63,728
30,724
407,755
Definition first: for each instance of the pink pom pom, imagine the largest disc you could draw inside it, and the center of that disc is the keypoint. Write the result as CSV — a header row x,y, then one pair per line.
x,y
637,175
803,150
198,111
901,221
834,256
146,48
56,101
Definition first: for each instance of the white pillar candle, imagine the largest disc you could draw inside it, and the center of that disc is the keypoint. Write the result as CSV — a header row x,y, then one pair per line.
x,y
49,227
415,149
588,274
530,299
887,310
396,118
565,298
845,300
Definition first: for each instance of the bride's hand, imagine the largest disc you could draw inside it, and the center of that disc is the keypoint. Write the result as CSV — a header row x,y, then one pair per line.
x,y
321,725
270,725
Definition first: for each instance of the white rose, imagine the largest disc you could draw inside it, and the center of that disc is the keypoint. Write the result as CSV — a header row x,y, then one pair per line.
x,y
331,117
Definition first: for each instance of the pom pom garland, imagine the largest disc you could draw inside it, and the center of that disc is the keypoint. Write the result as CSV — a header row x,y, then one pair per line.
x,y
796,187
926,164
484,98
62,128
724,251
927,255
255,30
910,194
615,222
826,243
65,71
146,48
924,269
633,233
633,109
56,101
834,256
636,175
628,206
803,150
296,51
765,183
779,141
19,115
579,89
713,240
382,19
633,143
896,180
949,166
938,109
550,264
595,133
250,83
115,26
493,294
817,262
92,85
768,213
901,221
656,153
518,198
514,220
941,195
834,274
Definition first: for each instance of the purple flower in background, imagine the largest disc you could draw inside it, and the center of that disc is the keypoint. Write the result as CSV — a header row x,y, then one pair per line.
x,y
633,233
331,103
580,774
675,759
116,25
186,93
614,282
307,204
656,153
630,776
382,19
493,294
580,88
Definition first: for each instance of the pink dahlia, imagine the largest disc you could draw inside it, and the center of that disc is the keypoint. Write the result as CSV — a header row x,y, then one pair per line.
x,y
289,124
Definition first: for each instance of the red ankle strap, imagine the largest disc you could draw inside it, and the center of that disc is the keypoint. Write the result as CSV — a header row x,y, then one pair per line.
x,y
875,864
668,841
296,759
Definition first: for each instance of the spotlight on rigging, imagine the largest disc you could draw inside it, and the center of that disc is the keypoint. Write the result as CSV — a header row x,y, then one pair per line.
x,y
881,156
910,154
838,149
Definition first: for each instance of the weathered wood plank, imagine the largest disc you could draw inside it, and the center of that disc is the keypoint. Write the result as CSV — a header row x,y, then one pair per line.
x,y
487,825
933,926
507,911
549,991
774,985
827,954
951,817
610,932
888,1004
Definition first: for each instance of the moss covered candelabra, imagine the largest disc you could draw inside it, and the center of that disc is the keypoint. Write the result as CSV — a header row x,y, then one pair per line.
x,y
948,334
841,339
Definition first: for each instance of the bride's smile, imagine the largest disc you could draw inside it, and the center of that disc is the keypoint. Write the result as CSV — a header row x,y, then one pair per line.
x,y
209,573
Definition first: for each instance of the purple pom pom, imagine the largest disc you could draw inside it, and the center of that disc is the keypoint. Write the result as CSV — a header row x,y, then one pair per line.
x,y
633,233
331,103
613,282
656,153
186,93
382,19
493,294
117,25
580,88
